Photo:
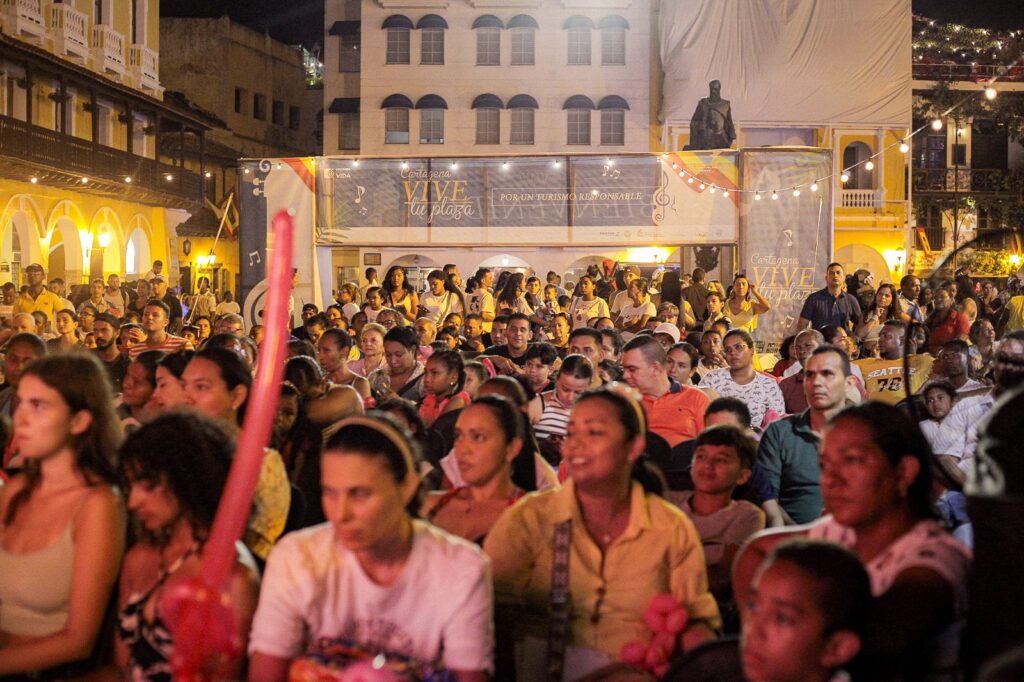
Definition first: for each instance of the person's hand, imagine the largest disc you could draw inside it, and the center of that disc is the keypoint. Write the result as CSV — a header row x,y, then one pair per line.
x,y
753,287
504,365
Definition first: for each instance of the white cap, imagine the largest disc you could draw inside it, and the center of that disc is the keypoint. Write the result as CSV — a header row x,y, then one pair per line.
x,y
668,328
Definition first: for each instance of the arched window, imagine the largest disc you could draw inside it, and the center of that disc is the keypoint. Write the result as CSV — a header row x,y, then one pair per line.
x,y
613,40
397,27
524,29
613,120
396,119
432,28
488,119
578,119
521,118
855,156
431,119
488,40
579,28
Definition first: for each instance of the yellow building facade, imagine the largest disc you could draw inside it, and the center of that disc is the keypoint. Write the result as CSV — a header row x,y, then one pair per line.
x,y
87,187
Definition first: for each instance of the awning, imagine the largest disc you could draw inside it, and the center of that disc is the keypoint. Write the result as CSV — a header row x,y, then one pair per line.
x,y
396,102
578,102
344,105
488,21
522,102
431,21
612,102
431,102
613,21
578,21
522,21
344,28
487,101
397,21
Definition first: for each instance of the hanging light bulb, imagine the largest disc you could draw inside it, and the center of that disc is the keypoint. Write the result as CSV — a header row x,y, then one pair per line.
x,y
775,195
757,196
702,185
796,192
682,174
870,165
556,164
725,193
689,180
937,124
504,166
712,189
844,178
990,93
904,147
814,187
675,166
355,163
455,166
405,164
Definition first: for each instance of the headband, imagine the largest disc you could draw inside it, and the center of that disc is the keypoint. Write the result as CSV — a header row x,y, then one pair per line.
x,y
387,430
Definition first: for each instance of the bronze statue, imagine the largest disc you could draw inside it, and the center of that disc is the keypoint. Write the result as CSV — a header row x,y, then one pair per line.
x,y
711,126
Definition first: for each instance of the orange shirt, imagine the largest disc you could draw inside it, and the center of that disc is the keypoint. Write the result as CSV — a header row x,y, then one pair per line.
x,y
678,415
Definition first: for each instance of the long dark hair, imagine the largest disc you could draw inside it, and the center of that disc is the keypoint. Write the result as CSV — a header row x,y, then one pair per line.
x,y
898,436
83,385
671,292
387,287
510,292
514,424
194,475
233,370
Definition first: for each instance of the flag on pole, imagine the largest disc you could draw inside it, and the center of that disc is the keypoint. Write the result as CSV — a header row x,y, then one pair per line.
x,y
227,214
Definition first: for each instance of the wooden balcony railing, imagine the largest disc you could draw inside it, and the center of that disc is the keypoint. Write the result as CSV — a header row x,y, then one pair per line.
x,y
72,155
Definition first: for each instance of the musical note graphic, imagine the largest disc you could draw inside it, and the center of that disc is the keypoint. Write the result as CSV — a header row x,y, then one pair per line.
x,y
254,257
789,321
789,237
610,172
360,191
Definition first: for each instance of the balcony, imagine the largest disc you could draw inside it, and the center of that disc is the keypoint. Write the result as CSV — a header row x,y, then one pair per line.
x,y
24,19
63,160
860,198
108,50
144,67
67,28
1003,73
973,180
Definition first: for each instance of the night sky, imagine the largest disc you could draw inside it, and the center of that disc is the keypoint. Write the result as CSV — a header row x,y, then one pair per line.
x,y
301,21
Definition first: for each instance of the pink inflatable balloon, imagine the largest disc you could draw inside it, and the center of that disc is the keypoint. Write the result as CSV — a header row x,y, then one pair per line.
x,y
633,653
365,672
655,620
675,622
198,611
664,603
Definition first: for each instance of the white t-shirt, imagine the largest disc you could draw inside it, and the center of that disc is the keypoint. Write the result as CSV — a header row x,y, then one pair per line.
x,y
441,306
631,313
439,610
580,311
481,301
760,395
228,308
349,310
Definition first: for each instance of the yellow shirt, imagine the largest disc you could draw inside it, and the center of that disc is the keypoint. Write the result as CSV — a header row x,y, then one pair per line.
x,y
660,551
883,379
270,505
1015,308
48,302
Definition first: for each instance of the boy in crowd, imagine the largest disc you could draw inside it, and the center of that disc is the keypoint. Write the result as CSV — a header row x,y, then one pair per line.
x,y
723,459
540,358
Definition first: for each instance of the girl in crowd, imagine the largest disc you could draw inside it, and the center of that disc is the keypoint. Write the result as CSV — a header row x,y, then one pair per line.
x,y
983,336
533,292
300,442
634,317
137,406
205,329
786,357
323,402
945,323
335,317
374,303
805,615
62,523
476,375
574,377
399,294
66,323
169,392
885,307
371,343
217,383
743,310
876,482
403,375
333,348
443,378
488,442
512,298
441,298
620,544
715,311
426,594
586,304
682,365
348,299
173,494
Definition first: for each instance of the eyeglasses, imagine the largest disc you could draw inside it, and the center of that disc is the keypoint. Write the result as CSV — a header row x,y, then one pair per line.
x,y
738,348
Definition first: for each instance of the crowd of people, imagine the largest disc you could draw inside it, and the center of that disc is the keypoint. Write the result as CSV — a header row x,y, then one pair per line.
x,y
506,477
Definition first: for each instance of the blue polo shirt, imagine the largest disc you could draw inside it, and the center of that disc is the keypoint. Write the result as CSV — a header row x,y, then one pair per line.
x,y
822,308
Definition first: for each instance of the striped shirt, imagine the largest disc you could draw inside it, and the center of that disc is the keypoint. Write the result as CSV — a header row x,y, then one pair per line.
x,y
554,419
170,344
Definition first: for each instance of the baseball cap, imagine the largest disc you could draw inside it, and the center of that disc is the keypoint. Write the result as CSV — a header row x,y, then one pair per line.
x,y
668,328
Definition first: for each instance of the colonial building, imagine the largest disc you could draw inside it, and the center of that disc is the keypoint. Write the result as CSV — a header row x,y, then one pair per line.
x,y
85,186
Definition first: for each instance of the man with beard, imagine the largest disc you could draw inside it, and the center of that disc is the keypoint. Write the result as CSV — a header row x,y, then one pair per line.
x,y
960,427
105,331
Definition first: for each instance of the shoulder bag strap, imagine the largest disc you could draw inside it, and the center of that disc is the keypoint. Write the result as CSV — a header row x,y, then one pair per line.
x,y
559,624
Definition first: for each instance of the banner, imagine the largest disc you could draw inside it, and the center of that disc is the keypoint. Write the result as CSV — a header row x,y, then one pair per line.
x,y
581,200
786,243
